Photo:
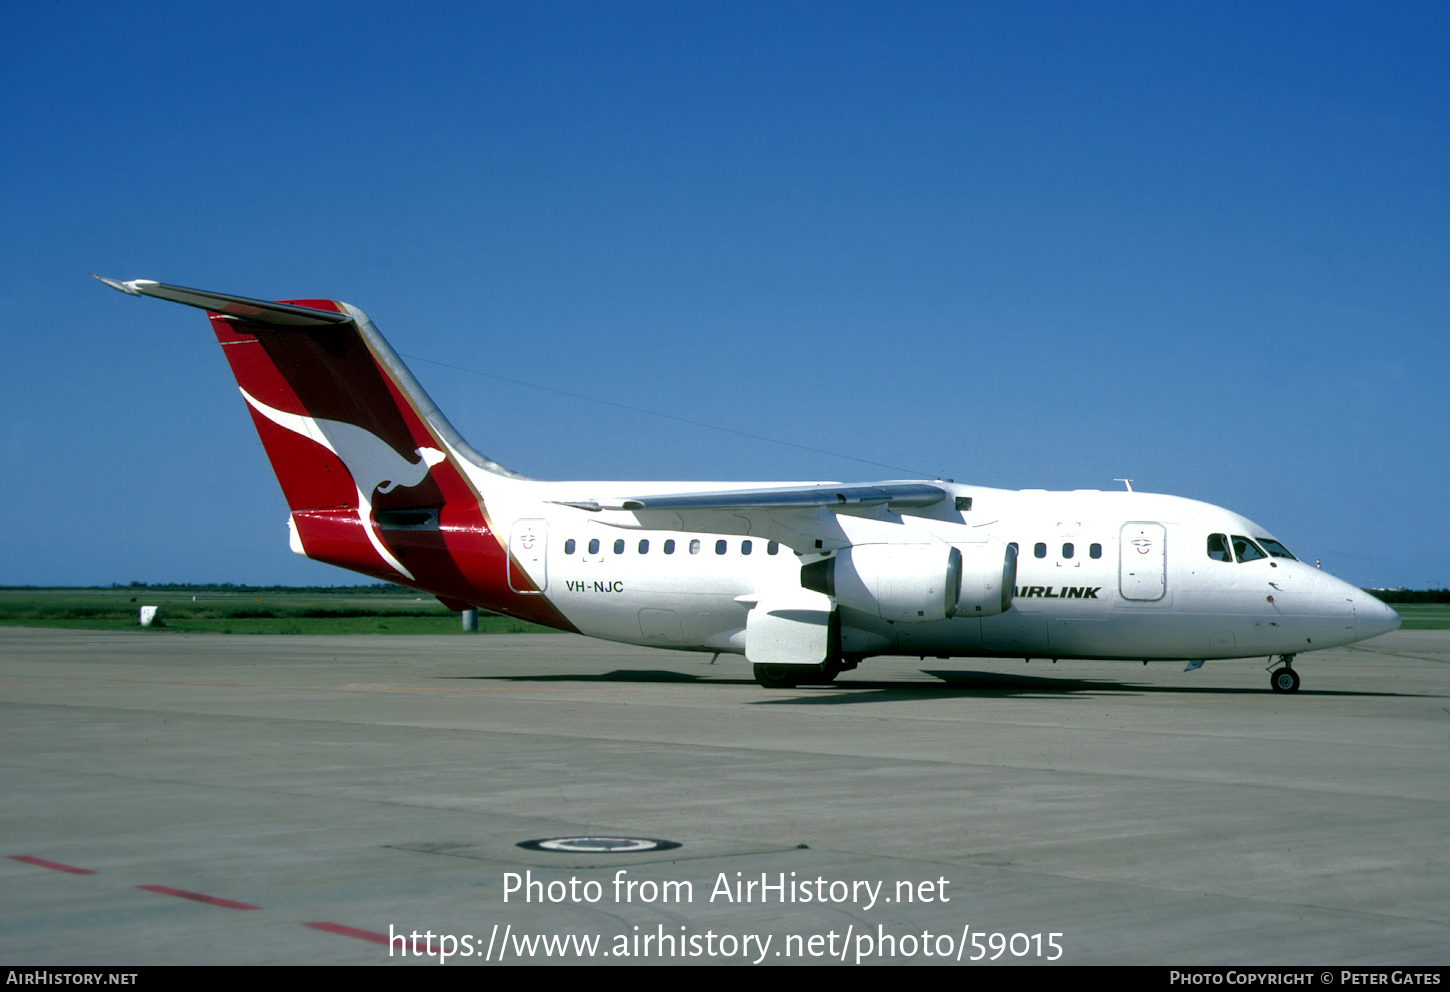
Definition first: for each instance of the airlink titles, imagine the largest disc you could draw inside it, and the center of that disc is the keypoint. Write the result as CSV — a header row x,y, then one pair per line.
x,y
1067,592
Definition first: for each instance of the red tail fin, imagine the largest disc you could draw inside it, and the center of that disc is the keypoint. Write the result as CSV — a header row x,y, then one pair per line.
x,y
371,471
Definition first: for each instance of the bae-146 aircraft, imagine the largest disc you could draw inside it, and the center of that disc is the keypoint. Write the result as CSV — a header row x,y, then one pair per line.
x,y
804,579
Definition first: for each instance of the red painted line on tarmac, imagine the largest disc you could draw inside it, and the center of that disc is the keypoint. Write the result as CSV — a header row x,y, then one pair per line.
x,y
376,938
167,890
52,865
368,935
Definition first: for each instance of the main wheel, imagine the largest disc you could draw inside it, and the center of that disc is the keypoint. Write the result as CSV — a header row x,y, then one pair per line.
x,y
1284,680
780,676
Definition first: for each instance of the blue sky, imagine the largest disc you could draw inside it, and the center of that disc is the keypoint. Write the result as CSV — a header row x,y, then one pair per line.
x,y
1201,245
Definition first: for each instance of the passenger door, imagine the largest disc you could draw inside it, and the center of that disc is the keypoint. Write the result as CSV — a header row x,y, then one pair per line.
x,y
528,542
1142,561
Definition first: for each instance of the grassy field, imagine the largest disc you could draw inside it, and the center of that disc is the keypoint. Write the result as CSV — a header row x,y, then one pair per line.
x,y
1423,616
244,612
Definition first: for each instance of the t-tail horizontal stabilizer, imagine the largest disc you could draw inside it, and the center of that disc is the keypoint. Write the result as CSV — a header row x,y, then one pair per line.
x,y
263,312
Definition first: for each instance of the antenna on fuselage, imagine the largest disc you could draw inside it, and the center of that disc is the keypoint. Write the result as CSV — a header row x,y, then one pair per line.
x,y
1126,482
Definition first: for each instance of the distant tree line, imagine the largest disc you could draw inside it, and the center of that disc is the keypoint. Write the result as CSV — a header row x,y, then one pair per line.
x,y
376,588
1410,595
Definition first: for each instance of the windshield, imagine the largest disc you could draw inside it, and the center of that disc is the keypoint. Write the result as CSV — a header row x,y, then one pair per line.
x,y
1274,548
1245,549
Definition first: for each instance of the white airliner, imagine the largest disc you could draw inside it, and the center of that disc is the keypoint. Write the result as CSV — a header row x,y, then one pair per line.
x,y
804,579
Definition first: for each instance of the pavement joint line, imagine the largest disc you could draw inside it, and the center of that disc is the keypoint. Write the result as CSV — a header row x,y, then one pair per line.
x,y
1395,654
666,742
745,745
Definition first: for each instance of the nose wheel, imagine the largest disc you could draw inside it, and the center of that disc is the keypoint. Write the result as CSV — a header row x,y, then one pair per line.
x,y
1285,679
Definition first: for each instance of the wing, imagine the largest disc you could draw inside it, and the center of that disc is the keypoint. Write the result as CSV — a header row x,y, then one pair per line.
x,y
810,519
894,496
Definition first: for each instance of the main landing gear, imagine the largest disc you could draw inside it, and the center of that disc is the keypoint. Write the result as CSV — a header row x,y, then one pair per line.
x,y
1285,679
790,676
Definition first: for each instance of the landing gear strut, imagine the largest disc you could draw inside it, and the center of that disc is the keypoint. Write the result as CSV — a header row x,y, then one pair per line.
x,y
1285,679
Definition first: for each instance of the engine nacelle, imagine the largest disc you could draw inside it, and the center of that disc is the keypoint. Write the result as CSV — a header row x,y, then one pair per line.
x,y
905,583
989,576
918,583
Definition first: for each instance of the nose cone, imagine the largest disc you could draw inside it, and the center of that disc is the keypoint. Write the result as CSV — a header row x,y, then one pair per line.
x,y
1372,618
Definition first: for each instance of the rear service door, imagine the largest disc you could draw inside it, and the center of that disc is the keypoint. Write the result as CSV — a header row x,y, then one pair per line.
x,y
1142,561
528,541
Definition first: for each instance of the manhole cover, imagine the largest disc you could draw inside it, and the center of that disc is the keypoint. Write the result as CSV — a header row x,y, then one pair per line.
x,y
599,845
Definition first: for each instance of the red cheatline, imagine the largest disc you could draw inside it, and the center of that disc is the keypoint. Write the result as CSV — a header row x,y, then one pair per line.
x,y
52,865
368,935
167,890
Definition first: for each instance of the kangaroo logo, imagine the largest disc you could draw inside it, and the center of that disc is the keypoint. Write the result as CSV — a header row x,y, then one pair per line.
x,y
374,465
371,461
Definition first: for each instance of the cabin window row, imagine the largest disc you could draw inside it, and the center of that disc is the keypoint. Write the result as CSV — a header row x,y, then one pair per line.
x,y
721,547
1069,550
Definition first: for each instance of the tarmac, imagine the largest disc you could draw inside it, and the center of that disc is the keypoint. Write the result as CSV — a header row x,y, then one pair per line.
x,y
204,799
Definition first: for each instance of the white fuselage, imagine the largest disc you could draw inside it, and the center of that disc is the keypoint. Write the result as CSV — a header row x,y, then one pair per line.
x,y
1088,584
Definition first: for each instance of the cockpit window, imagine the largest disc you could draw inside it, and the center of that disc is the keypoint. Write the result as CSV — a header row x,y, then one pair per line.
x,y
1274,548
1218,548
1246,550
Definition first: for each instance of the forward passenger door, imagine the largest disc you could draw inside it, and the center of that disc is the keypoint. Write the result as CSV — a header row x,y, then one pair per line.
x,y
1143,561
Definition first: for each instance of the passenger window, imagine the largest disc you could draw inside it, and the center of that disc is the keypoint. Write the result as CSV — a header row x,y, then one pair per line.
x,y
619,546
745,547
644,547
1246,550
1039,550
1218,548
594,546
1095,550
569,546
670,546
1067,550
694,547
720,547
772,548
1274,548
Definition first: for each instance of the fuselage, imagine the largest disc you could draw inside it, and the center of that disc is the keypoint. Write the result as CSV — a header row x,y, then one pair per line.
x,y
1109,575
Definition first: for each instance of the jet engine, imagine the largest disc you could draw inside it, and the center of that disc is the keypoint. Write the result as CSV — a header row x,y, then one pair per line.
x,y
918,583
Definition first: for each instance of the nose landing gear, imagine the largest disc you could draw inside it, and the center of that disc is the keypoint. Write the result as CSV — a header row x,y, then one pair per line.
x,y
1284,679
